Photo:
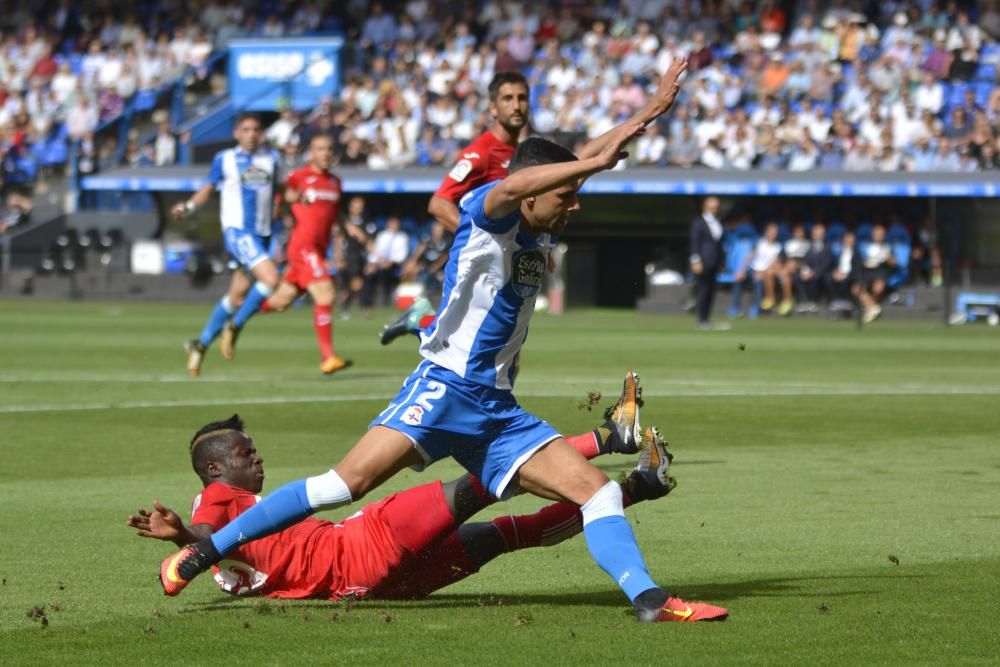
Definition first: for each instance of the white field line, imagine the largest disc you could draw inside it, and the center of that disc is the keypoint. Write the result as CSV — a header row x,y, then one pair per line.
x,y
858,390
766,387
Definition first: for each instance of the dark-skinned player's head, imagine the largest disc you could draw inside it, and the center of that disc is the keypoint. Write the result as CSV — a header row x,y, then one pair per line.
x,y
223,452
509,97
550,210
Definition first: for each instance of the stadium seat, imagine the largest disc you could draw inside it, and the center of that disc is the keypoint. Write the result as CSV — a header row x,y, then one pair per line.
x,y
983,90
897,233
835,237
144,100
863,233
986,72
956,94
901,272
737,244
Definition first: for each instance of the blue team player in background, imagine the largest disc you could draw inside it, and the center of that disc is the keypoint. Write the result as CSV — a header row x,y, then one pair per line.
x,y
459,400
246,178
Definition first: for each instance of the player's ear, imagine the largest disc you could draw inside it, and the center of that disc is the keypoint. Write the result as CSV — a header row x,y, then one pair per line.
x,y
213,468
530,202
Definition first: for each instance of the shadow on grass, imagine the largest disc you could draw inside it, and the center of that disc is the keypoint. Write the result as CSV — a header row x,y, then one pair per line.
x,y
824,587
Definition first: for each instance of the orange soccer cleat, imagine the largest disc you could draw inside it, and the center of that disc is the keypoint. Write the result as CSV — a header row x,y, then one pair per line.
x,y
677,610
171,579
333,364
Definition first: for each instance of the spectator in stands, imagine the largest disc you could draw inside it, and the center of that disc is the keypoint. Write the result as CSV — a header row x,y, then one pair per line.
x,y
165,144
766,265
356,239
706,258
81,118
813,276
651,148
925,256
426,263
389,251
285,130
876,262
682,150
847,269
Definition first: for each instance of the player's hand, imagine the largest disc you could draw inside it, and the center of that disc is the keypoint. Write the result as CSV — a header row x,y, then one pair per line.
x,y
613,151
697,268
669,86
179,210
162,523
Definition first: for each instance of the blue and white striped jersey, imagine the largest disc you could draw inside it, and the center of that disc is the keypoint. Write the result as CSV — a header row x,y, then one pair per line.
x,y
493,275
246,184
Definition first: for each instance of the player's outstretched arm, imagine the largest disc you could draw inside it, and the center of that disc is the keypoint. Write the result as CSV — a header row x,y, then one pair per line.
x,y
657,105
508,194
197,200
164,524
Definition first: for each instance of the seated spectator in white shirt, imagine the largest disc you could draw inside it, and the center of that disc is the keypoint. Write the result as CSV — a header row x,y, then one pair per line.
x,y
767,265
651,147
682,150
805,156
877,262
929,94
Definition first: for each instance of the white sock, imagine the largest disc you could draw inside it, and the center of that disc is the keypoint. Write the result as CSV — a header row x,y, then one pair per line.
x,y
327,491
606,502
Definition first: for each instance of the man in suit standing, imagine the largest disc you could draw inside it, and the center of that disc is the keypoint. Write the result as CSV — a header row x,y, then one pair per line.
x,y
706,257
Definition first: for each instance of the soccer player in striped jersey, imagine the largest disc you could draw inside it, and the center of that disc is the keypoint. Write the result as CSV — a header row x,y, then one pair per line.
x,y
404,546
246,178
314,193
459,401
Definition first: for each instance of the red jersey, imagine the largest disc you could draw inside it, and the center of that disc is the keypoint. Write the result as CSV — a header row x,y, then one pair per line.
x,y
321,559
317,209
483,161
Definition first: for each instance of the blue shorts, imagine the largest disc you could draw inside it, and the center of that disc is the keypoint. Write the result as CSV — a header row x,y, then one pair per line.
x,y
246,248
482,428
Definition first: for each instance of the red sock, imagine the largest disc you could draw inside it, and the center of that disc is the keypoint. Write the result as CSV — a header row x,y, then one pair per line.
x,y
322,322
441,565
586,444
482,491
548,526
426,320
265,307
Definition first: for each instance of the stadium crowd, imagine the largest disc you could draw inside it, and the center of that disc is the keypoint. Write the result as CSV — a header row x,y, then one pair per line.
x,y
906,86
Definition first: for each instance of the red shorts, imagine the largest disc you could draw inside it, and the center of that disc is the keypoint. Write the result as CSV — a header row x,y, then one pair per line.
x,y
385,537
305,266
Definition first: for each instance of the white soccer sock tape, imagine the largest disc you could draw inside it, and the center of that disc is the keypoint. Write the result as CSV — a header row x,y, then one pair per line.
x,y
327,491
606,502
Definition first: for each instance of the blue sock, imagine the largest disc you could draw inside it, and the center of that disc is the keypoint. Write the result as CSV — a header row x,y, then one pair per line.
x,y
255,299
612,545
286,505
216,321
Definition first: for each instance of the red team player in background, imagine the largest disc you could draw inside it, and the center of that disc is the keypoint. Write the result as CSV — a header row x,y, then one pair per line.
x,y
314,194
404,546
483,161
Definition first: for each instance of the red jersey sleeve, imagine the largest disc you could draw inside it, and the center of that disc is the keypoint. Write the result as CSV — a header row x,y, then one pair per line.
x,y
215,505
295,180
468,172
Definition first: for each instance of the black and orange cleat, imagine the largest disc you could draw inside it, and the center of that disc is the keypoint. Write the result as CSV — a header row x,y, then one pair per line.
x,y
177,571
622,418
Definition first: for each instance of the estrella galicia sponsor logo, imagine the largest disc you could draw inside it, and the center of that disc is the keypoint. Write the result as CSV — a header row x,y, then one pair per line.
x,y
527,271
255,178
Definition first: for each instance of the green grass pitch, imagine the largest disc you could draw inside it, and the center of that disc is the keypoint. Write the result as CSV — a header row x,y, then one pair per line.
x,y
839,490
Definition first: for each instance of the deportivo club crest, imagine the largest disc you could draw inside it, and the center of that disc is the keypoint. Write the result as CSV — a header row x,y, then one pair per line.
x,y
527,271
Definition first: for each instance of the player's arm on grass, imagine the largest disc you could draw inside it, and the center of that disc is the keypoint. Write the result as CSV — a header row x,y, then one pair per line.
x,y
657,105
164,524
506,196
